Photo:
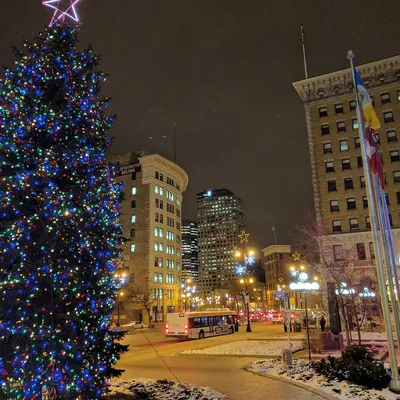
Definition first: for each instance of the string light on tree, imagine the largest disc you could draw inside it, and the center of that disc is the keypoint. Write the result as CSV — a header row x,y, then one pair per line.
x,y
60,236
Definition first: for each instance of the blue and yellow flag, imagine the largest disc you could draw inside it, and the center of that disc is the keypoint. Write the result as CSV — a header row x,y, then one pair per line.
x,y
363,97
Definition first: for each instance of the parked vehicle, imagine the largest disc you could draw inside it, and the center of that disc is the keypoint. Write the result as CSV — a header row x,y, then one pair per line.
x,y
277,319
134,325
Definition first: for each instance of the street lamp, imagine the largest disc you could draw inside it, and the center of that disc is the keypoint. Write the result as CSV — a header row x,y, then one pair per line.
x,y
188,291
303,285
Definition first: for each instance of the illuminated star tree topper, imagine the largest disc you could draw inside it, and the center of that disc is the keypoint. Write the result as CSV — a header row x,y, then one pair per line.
x,y
62,9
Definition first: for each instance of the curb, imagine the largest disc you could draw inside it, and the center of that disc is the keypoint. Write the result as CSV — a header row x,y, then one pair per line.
x,y
230,355
304,386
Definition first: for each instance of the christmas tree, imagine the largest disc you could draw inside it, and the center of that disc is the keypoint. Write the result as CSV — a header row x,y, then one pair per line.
x,y
59,231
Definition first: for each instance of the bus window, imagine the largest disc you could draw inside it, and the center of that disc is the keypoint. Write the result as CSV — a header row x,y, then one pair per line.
x,y
210,321
218,321
229,320
204,321
224,320
196,323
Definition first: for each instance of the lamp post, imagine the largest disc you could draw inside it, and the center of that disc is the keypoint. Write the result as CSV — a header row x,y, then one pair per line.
x,y
248,258
120,275
187,291
303,285
120,294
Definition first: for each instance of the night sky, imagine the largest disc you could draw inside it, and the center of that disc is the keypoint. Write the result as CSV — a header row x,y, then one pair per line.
x,y
222,70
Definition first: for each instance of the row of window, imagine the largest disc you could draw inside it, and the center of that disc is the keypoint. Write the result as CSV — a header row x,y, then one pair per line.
x,y
158,217
341,125
158,294
351,202
170,195
158,278
339,255
170,181
354,224
348,182
385,99
159,262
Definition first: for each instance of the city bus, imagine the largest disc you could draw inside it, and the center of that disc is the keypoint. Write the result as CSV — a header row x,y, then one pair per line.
x,y
200,324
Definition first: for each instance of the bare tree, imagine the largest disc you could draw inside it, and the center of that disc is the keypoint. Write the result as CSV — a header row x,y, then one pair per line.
x,y
340,264
141,296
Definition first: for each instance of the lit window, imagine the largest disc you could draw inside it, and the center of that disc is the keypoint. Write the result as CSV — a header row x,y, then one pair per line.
x,y
368,222
357,142
156,246
133,248
133,218
354,123
398,94
134,190
156,189
396,176
352,105
343,144
365,201
362,181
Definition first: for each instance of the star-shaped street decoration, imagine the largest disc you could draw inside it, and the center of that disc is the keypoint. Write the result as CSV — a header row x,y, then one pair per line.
x,y
296,256
62,9
244,237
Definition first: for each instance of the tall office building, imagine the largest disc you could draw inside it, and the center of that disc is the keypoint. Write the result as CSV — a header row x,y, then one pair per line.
x,y
340,200
151,219
220,219
190,251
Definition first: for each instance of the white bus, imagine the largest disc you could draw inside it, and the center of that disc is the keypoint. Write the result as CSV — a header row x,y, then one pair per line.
x,y
200,324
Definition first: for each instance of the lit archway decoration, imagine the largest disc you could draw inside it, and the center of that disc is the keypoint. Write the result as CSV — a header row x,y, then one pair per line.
x,y
62,9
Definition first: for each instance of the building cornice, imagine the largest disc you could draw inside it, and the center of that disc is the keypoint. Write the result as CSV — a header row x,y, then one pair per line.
x,y
375,74
156,160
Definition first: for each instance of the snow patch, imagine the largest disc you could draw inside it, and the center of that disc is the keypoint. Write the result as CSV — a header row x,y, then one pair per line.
x,y
249,348
302,372
149,389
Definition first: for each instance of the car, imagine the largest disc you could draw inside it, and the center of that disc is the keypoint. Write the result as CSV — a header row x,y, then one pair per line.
x,y
277,319
134,325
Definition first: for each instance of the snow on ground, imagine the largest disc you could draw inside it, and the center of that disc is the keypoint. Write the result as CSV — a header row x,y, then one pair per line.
x,y
300,371
149,389
249,348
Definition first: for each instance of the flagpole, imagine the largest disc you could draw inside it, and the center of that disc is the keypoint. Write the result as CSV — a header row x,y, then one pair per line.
x,y
303,44
387,254
395,382
392,250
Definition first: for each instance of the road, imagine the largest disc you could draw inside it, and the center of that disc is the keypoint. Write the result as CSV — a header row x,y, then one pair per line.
x,y
161,360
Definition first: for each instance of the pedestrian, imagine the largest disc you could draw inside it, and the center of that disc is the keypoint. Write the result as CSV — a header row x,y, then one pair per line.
x,y
322,322
305,322
285,326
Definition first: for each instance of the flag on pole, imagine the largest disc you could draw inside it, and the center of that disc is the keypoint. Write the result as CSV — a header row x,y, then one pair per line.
x,y
374,155
368,110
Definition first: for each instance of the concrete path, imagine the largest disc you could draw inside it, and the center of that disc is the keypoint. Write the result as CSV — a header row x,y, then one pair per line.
x,y
225,374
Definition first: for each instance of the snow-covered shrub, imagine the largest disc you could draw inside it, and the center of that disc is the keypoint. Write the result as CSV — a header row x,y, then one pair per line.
x,y
356,365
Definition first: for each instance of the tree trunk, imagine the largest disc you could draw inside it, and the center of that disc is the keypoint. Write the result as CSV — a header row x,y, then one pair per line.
x,y
345,320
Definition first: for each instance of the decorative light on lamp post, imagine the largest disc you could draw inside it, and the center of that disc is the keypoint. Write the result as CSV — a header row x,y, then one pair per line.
x,y
247,256
121,277
303,285
188,291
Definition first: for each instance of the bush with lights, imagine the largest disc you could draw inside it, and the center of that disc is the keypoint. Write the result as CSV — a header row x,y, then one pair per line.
x,y
59,230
